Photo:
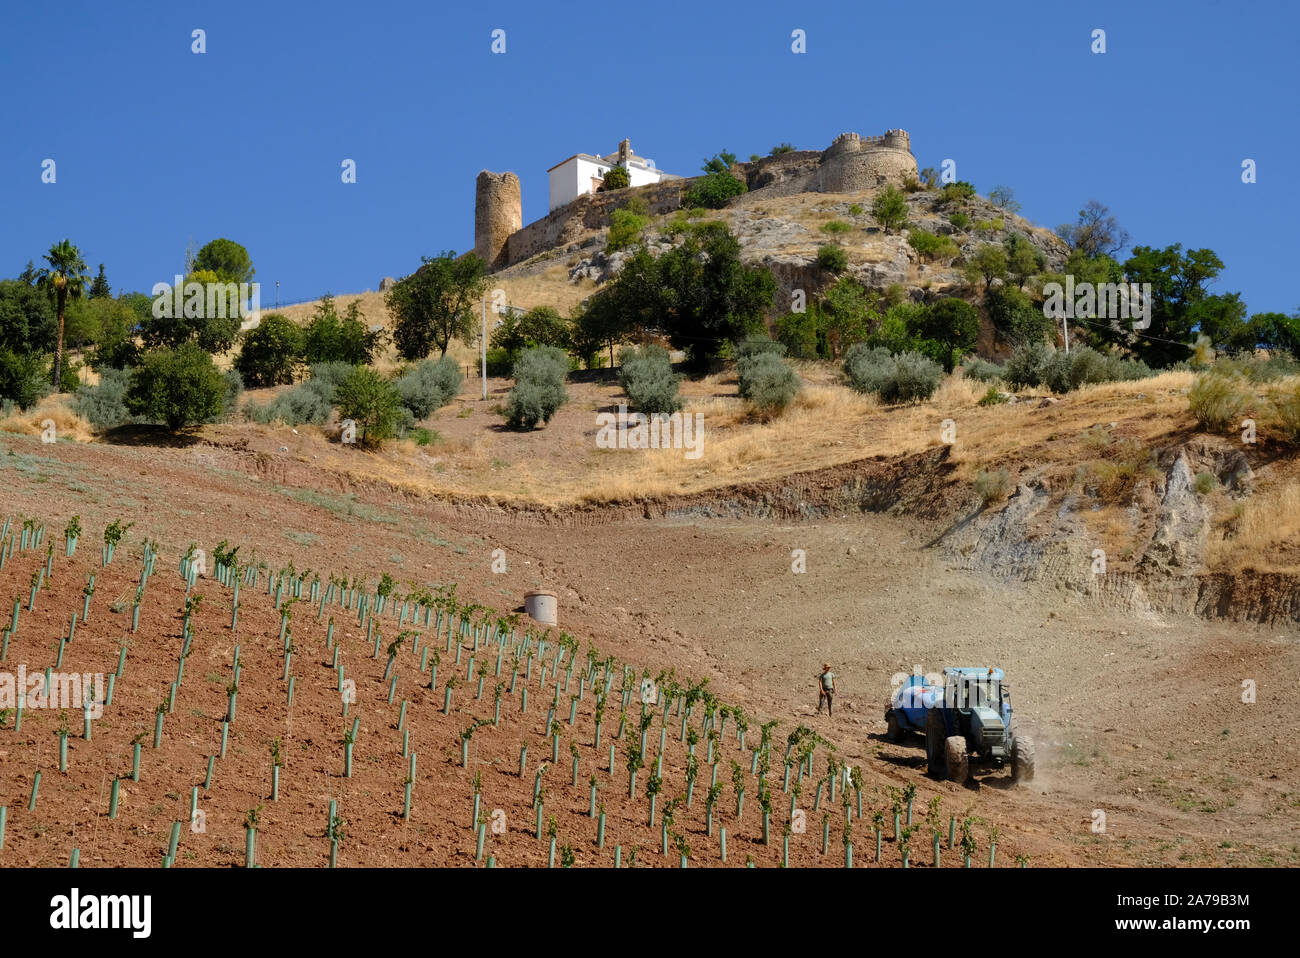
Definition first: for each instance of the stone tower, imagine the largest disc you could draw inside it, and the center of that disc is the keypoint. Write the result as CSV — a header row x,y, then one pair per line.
x,y
498,212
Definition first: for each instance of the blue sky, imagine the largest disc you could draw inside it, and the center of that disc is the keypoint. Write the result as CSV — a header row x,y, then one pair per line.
x,y
156,145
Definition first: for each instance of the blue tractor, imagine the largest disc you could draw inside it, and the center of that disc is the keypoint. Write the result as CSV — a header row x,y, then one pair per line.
x,y
968,715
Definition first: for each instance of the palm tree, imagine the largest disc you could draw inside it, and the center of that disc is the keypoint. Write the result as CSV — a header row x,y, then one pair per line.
x,y
65,276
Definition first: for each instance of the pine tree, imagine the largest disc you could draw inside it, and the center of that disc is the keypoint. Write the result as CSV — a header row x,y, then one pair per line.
x,y
99,288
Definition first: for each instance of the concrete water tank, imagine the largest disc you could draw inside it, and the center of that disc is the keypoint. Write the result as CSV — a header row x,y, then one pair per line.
x,y
541,607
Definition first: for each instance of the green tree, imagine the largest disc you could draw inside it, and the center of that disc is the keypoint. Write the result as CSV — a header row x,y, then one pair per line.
x,y
227,259
372,402
698,294
951,322
1179,298
178,387
1015,319
719,162
540,326
714,190
209,314
99,289
27,321
434,304
64,277
890,209
270,352
116,320
1023,258
329,338
987,263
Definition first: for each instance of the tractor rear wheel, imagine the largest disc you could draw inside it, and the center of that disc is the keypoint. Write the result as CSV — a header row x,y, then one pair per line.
x,y
1022,760
893,731
935,734
954,753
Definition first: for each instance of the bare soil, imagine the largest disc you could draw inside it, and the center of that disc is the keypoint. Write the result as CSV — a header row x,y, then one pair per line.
x,y
1137,717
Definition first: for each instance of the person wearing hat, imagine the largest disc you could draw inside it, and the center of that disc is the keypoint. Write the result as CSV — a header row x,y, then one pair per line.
x,y
826,688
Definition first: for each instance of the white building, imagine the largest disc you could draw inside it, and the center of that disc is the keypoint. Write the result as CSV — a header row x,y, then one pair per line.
x,y
582,173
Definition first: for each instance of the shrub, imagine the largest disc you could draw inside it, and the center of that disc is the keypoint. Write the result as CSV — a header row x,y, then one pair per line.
x,y
836,226
1025,367
755,345
992,486
980,369
232,389
930,246
616,178
1288,412
714,190
104,404
993,397
832,258
907,377
1127,463
178,387
1063,372
625,228
648,379
1205,483
270,352
539,387
23,378
767,381
855,209
890,208
867,367
1218,401
915,378
1258,369
372,402
960,220
954,194
429,385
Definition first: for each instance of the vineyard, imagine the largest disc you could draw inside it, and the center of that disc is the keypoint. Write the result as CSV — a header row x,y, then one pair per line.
x,y
206,709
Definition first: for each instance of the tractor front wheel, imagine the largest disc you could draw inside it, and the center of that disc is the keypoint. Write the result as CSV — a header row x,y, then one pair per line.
x,y
954,753
935,734
893,731
1022,760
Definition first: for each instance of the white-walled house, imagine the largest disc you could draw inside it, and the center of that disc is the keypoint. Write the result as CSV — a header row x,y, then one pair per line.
x,y
583,172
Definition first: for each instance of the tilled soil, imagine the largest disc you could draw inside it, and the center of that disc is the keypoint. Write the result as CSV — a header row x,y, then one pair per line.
x,y
1137,718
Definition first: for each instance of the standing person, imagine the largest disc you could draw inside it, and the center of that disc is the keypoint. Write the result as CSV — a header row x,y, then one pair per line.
x,y
825,688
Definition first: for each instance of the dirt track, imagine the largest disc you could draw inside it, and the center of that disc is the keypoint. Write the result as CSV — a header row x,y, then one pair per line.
x,y
1139,717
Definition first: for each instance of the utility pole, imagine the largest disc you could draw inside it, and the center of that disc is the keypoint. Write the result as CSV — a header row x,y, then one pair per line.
x,y
483,345
1065,325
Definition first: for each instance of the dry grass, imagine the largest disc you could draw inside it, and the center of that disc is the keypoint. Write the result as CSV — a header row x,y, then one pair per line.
x,y
67,424
1257,529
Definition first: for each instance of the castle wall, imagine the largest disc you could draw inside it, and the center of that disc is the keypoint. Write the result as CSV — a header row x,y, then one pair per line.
x,y
589,212
852,172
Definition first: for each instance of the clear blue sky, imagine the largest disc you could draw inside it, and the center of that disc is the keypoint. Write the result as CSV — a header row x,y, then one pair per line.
x,y
155,145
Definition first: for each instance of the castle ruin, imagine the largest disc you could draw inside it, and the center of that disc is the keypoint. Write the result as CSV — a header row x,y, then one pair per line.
x,y
851,164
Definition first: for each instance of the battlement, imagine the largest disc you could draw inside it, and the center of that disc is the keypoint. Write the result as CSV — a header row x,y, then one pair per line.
x,y
855,143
